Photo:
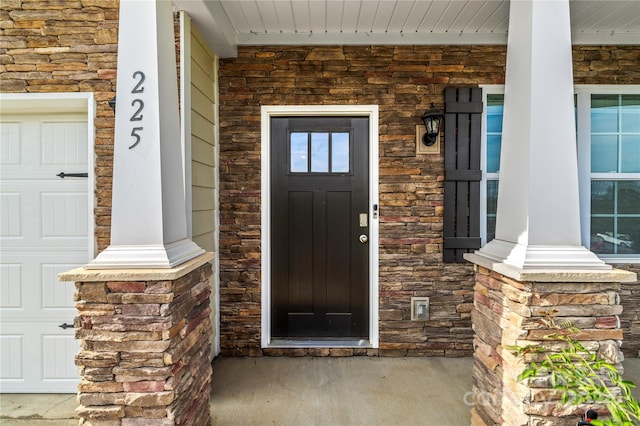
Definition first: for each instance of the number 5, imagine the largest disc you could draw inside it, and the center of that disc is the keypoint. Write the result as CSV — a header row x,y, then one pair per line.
x,y
135,135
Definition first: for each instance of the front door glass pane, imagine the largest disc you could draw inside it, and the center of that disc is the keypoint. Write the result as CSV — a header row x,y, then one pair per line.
x,y
299,152
319,152
340,152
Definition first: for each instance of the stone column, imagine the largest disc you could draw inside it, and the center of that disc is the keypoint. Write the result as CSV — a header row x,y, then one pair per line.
x,y
536,264
509,307
145,356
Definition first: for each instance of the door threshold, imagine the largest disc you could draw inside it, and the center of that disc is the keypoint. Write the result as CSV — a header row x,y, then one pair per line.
x,y
320,343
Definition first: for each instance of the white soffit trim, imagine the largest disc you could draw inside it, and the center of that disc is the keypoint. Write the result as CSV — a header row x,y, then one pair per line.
x,y
227,24
372,39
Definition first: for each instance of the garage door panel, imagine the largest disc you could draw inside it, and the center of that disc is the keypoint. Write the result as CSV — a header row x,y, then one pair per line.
x,y
56,213
63,143
11,143
11,351
57,294
43,148
30,288
11,215
44,230
40,359
58,354
64,214
11,286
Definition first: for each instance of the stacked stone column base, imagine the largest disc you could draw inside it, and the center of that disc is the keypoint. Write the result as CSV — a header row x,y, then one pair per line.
x,y
145,356
512,309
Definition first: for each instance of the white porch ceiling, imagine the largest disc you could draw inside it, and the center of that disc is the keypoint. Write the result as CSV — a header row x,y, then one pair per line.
x,y
229,23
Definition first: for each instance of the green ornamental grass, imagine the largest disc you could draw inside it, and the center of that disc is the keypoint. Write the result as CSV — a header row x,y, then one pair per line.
x,y
582,377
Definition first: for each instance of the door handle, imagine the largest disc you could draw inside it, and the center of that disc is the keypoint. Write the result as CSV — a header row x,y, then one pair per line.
x,y
63,175
64,326
363,238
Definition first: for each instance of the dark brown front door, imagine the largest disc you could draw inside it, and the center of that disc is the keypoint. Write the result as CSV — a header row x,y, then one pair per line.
x,y
319,227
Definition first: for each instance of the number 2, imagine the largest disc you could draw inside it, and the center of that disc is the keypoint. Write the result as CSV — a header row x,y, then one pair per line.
x,y
138,87
137,116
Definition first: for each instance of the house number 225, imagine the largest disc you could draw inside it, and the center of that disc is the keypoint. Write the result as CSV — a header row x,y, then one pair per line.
x,y
138,104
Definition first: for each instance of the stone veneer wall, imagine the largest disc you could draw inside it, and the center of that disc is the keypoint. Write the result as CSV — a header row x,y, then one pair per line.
x,y
511,312
145,355
630,317
402,80
71,46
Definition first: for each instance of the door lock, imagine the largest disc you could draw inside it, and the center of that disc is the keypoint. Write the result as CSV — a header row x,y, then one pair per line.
x,y
363,238
363,220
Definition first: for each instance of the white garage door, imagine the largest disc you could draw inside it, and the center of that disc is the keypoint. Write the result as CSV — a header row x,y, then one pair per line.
x,y
43,231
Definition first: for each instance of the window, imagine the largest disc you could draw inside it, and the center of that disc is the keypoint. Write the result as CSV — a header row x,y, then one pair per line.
x,y
319,152
494,111
608,134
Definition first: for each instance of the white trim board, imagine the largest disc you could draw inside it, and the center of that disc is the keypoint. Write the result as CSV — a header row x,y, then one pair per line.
x,y
370,111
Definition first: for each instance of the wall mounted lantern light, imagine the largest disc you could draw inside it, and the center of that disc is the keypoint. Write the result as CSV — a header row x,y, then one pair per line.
x,y
432,119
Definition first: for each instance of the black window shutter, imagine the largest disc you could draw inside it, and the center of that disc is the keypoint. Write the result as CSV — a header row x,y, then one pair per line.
x,y
462,139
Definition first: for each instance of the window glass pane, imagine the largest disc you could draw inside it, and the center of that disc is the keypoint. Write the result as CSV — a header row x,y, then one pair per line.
x,y
615,217
630,113
610,236
629,197
604,154
630,122
494,122
299,152
492,208
604,101
340,152
495,102
495,110
602,197
630,154
604,113
493,153
319,152
601,233
628,235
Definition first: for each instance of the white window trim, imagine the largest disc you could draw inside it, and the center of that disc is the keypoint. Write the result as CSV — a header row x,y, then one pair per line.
x,y
490,89
583,93
80,102
370,111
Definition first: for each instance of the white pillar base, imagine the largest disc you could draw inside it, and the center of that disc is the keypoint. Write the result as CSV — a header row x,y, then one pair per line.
x,y
542,256
146,256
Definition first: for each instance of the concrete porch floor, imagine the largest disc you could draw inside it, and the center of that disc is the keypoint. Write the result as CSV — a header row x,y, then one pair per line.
x,y
310,391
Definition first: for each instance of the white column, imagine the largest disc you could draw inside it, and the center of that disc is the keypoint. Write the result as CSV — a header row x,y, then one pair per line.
x,y
538,217
148,219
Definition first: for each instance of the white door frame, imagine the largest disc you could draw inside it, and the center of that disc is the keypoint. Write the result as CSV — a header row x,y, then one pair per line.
x,y
370,111
74,102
